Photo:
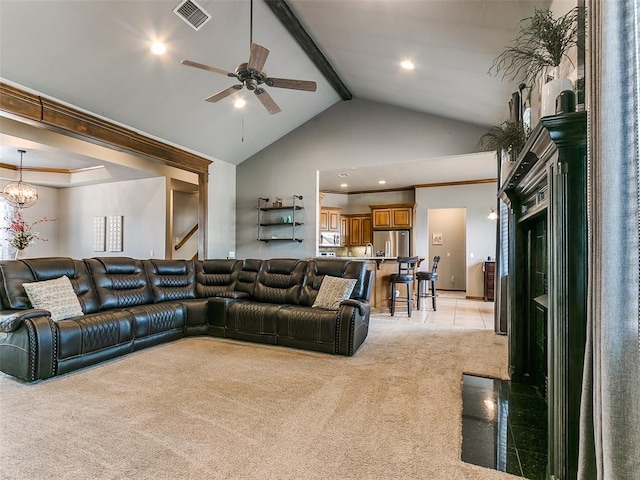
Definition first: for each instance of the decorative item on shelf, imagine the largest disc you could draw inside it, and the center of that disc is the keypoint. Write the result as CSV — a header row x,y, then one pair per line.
x,y
19,233
566,102
580,94
509,137
277,202
552,90
542,42
493,215
20,194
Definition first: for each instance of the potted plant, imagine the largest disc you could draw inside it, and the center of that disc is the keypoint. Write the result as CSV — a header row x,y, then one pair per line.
x,y
509,137
19,233
542,42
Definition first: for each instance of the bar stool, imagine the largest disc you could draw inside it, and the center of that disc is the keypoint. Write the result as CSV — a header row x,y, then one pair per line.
x,y
406,275
423,288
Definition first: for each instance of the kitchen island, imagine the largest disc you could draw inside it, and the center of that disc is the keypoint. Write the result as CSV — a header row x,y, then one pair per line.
x,y
382,267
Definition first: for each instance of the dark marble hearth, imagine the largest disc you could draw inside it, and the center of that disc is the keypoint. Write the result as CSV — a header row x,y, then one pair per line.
x,y
504,426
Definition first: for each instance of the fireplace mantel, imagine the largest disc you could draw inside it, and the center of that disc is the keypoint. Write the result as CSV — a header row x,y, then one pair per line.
x,y
546,288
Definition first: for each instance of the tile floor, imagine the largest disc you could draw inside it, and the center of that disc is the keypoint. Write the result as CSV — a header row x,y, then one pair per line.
x,y
454,310
504,426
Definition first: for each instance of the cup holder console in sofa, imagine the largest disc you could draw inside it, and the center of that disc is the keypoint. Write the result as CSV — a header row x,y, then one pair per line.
x,y
130,304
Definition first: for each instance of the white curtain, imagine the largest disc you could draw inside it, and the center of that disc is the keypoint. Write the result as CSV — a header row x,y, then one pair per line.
x,y
610,414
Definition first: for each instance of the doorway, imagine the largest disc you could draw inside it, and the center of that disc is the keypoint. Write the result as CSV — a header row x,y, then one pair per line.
x,y
447,237
184,220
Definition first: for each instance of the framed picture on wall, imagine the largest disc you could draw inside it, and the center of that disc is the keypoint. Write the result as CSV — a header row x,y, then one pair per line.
x,y
436,239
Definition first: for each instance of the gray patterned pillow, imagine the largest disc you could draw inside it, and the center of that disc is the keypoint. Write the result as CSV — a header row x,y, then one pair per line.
x,y
56,295
333,290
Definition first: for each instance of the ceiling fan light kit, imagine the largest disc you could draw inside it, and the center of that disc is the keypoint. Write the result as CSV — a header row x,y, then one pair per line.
x,y
20,194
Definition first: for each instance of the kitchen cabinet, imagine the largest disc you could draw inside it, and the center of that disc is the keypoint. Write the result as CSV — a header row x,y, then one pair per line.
x,y
392,216
279,222
358,230
330,219
344,229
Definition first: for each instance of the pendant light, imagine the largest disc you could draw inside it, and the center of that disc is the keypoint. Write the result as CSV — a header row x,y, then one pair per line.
x,y
19,194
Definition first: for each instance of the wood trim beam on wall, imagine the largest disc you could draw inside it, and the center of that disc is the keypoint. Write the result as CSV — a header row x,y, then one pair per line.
x,y
286,16
46,113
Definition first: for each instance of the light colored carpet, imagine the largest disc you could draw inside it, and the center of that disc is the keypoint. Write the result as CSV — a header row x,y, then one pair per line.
x,y
207,408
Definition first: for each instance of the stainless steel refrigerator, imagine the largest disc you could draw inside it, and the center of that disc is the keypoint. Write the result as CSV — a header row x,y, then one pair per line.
x,y
391,243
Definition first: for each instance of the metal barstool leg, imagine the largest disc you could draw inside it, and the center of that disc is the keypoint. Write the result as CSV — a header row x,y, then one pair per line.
x,y
393,298
409,300
419,294
433,294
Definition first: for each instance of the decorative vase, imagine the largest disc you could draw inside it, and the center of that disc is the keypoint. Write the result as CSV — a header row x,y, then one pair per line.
x,y
551,90
18,252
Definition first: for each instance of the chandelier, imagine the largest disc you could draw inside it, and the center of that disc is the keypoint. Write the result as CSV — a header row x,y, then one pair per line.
x,y
19,194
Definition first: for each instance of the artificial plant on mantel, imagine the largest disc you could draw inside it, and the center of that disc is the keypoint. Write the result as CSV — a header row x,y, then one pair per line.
x,y
508,137
542,42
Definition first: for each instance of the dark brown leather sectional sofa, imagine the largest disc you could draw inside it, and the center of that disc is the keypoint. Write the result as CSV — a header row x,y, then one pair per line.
x,y
131,304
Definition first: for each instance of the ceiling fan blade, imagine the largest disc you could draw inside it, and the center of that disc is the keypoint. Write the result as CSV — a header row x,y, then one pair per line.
x,y
266,100
306,85
189,63
258,57
223,94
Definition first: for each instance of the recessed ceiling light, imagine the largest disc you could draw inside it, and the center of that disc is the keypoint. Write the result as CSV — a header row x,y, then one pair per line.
x,y
343,175
239,103
382,182
343,185
407,65
158,48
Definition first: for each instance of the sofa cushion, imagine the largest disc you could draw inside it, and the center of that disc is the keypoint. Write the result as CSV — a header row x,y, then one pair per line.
x,y
247,276
171,279
333,290
97,331
216,277
119,282
280,281
14,273
249,320
55,295
319,268
303,327
157,318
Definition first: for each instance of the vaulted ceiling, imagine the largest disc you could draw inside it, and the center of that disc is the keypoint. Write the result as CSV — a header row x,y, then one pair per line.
x,y
96,56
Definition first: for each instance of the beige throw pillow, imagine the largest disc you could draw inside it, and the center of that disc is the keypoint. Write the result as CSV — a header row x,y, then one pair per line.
x,y
56,295
333,290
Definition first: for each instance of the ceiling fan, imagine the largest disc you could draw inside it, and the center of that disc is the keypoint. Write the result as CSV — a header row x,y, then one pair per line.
x,y
252,76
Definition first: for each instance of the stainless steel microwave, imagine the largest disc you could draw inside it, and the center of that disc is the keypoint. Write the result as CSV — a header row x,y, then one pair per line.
x,y
330,239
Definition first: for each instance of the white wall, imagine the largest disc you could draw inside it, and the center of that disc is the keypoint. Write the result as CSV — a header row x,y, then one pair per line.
x,y
349,134
221,234
47,206
451,223
481,232
143,203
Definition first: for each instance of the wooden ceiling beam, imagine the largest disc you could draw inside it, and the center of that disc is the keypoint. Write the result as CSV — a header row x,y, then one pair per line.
x,y
286,16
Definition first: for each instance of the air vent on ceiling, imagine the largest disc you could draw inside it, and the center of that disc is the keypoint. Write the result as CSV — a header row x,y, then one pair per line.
x,y
192,13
